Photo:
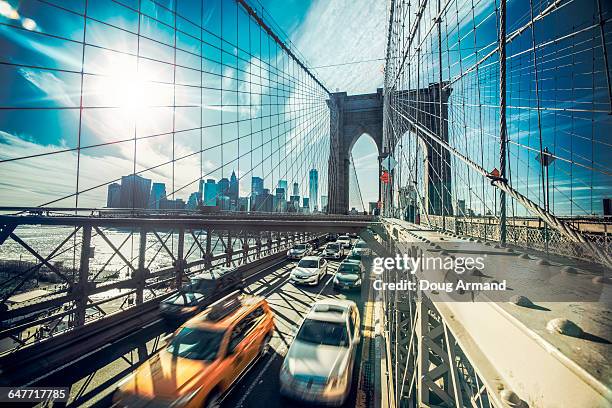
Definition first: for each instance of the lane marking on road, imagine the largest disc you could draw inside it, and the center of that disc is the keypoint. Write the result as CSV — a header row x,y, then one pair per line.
x,y
34,381
367,335
280,352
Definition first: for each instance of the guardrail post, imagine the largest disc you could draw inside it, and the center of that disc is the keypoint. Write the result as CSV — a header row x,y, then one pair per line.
x,y
229,250
82,287
208,255
141,272
180,262
258,245
269,242
245,248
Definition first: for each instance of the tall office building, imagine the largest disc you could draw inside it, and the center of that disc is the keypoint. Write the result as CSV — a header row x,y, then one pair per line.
x,y
223,187
294,203
283,184
324,203
262,201
194,199
158,192
257,186
281,202
313,191
210,193
296,189
113,198
233,189
306,204
243,204
135,191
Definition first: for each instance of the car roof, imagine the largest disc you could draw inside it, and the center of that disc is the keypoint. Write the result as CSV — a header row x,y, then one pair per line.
x,y
311,258
236,308
330,310
350,263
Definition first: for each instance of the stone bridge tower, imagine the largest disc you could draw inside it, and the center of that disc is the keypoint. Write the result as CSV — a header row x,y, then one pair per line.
x,y
353,115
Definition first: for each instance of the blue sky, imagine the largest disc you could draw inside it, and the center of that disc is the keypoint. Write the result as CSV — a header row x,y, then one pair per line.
x,y
132,95
124,89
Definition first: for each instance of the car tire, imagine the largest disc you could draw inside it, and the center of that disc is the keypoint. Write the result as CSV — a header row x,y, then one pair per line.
x,y
213,400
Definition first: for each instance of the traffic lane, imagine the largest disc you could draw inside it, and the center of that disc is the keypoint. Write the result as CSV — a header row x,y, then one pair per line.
x,y
93,379
290,304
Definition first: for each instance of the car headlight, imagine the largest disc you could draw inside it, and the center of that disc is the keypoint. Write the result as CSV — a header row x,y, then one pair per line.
x,y
358,281
336,280
288,253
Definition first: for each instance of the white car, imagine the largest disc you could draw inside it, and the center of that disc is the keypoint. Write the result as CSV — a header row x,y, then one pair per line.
x,y
309,271
333,250
361,248
299,251
319,364
345,240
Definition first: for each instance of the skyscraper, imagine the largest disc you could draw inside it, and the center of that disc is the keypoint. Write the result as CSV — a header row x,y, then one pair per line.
x,y
223,187
324,203
233,189
294,203
296,189
158,192
113,198
313,191
135,191
210,193
194,199
306,204
283,184
257,186
281,202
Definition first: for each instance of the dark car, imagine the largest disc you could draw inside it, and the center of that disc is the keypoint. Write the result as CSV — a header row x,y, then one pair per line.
x,y
202,290
348,276
332,237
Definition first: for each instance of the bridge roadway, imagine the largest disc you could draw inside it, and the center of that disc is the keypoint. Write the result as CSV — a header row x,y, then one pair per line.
x,y
93,378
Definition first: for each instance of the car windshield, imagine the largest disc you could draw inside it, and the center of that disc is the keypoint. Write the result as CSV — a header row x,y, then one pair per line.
x,y
348,269
361,245
202,285
184,298
300,247
196,344
333,247
354,257
320,332
308,263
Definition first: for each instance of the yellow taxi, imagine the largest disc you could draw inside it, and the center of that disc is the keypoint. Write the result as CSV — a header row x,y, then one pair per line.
x,y
203,358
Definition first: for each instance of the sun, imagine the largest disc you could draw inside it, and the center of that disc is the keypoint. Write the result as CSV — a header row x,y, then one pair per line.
x,y
126,87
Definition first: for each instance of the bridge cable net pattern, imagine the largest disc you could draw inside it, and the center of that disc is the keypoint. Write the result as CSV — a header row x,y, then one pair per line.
x,y
138,94
551,106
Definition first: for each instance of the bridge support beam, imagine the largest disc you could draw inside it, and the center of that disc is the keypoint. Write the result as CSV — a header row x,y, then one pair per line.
x,y
352,116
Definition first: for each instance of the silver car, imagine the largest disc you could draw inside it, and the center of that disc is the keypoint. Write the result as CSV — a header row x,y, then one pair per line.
x,y
346,241
299,251
309,271
319,364
333,250
361,248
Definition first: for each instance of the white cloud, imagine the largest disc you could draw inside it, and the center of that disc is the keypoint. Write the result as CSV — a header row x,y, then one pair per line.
x,y
342,31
